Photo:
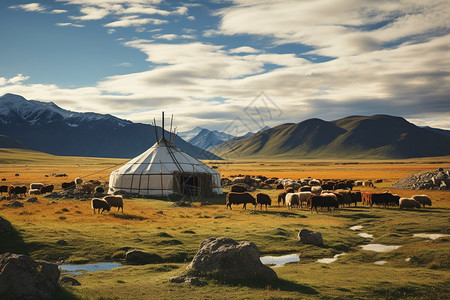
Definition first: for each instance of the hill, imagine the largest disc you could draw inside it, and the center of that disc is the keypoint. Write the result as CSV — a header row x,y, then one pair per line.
x,y
370,137
48,128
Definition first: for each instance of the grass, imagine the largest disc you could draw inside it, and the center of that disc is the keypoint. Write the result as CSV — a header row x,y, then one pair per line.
x,y
174,233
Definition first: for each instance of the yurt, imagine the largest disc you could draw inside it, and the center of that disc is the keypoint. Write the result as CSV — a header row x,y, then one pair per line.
x,y
163,170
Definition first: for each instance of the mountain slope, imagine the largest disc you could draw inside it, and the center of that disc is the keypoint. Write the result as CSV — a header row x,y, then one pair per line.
x,y
48,128
379,136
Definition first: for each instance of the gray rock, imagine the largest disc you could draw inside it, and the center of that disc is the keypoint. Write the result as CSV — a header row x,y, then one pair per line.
x,y
226,259
62,243
69,280
137,257
14,204
23,278
186,279
306,236
5,227
32,200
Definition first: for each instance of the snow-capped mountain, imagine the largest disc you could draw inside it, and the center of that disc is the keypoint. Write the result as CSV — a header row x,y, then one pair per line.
x,y
46,127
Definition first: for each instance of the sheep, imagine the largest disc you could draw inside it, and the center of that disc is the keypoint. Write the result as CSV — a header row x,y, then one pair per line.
x,y
20,190
422,199
262,198
99,190
4,189
240,198
238,188
78,181
303,197
292,199
114,201
316,190
68,185
34,192
408,203
97,203
88,187
36,186
46,189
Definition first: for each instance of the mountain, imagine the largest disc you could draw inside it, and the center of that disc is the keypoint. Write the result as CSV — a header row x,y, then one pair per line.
x,y
443,131
8,142
188,135
207,139
369,137
46,127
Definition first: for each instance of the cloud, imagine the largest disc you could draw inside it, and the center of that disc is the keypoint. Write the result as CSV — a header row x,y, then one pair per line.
x,y
244,49
58,11
30,7
91,13
69,24
18,78
129,21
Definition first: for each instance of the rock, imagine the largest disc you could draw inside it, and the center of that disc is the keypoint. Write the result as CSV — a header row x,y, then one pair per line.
x,y
23,278
32,200
136,257
306,236
69,280
186,279
226,259
62,243
14,204
5,227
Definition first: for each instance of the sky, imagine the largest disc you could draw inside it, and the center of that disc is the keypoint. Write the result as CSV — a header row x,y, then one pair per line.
x,y
234,66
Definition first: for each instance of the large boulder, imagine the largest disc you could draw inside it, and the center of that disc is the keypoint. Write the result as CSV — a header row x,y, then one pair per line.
x,y
5,227
23,278
306,236
228,260
136,257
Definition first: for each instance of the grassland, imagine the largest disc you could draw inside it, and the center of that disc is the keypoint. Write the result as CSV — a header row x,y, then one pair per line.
x,y
156,226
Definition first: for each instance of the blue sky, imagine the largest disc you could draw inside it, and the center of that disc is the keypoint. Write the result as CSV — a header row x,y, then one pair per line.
x,y
208,61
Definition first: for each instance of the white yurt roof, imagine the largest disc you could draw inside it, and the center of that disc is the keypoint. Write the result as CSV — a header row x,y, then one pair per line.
x,y
151,173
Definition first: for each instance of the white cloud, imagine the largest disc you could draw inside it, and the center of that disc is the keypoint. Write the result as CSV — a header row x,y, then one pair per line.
x,y
30,7
244,49
111,31
191,18
18,78
69,24
58,11
91,13
3,81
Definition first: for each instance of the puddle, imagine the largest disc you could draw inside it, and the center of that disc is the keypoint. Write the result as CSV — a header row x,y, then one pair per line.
x,y
366,235
379,247
356,227
78,269
278,261
329,260
431,236
380,262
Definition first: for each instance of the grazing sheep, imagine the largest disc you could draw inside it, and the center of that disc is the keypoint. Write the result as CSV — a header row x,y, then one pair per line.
x,y
97,203
34,192
37,186
408,203
78,181
322,201
316,190
238,188
11,190
114,201
422,199
281,197
303,197
46,189
305,188
314,182
262,198
4,189
292,199
240,198
88,187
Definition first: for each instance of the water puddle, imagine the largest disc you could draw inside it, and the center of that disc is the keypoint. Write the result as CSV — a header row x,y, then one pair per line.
x,y
356,227
278,261
379,247
380,262
329,260
366,235
78,269
431,236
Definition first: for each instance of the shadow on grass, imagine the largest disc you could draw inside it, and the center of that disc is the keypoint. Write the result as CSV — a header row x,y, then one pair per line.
x,y
128,217
10,239
357,216
289,286
283,214
62,294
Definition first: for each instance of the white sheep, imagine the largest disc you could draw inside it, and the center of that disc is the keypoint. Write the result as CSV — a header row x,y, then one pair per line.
x,y
408,203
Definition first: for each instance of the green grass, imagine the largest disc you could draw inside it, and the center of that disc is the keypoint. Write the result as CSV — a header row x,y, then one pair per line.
x,y
174,233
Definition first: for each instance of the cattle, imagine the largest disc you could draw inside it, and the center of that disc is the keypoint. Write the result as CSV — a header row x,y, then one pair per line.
x,y
238,188
114,201
292,200
34,192
99,190
20,190
239,198
46,189
408,203
37,186
100,204
279,186
282,195
384,199
4,189
356,197
422,199
305,188
322,201
11,190
68,185
344,197
263,199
